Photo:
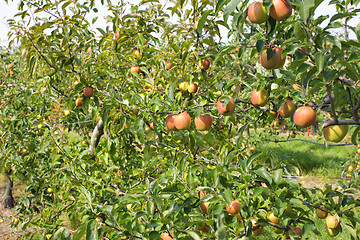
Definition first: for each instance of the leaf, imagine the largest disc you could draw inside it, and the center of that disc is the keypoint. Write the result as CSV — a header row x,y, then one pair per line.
x,y
219,5
91,231
202,21
319,61
194,235
354,137
259,45
277,176
264,174
223,52
230,8
304,8
80,232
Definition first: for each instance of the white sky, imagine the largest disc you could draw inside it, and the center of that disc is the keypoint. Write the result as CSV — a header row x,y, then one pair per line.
x,y
9,10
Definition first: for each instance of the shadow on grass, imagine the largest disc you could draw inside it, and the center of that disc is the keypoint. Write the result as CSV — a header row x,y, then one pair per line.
x,y
310,158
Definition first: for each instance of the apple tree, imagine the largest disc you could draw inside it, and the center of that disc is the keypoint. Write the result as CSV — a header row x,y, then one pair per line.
x,y
140,129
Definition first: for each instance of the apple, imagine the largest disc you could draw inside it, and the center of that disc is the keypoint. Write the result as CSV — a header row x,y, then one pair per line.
x,y
183,86
66,112
117,34
293,135
169,65
257,13
358,151
136,112
11,72
78,102
49,190
88,92
205,65
89,50
332,222
304,117
348,175
203,122
296,86
274,62
10,66
182,121
135,69
252,149
24,151
136,52
350,168
167,236
321,213
228,109
272,218
204,207
287,109
259,98
193,88
297,231
335,133
170,122
234,207
152,126
256,229
280,10
147,128
333,231
204,228
83,143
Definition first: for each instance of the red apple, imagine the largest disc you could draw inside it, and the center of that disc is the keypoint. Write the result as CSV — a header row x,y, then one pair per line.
x,y
203,122
136,52
304,117
257,13
167,236
135,69
287,109
256,230
183,86
274,62
117,34
78,102
89,50
182,121
234,207
259,98
170,122
280,10
228,109
205,65
88,92
10,66
321,213
152,126
193,88
169,65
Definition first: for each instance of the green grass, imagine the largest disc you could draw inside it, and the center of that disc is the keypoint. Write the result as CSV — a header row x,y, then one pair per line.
x,y
311,159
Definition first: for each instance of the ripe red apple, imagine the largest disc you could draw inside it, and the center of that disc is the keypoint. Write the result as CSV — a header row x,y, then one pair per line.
x,y
335,133
274,62
88,92
152,126
167,236
287,109
320,213
304,117
332,222
78,102
183,86
89,50
280,10
204,207
333,231
11,72
10,66
169,65
205,65
297,231
135,69
117,34
234,207
136,52
182,121
170,122
259,98
228,109
136,112
203,122
252,149
257,13
204,228
193,88
296,86
24,151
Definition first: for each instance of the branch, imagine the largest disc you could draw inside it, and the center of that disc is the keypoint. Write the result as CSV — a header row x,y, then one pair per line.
x,y
304,140
341,122
95,137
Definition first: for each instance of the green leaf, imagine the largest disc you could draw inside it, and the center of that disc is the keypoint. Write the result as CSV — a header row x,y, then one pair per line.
x,y
91,230
304,8
319,61
202,21
230,8
194,235
277,176
264,174
223,52
219,5
80,232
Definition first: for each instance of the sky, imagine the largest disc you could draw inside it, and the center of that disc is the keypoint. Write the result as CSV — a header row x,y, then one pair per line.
x,y
9,10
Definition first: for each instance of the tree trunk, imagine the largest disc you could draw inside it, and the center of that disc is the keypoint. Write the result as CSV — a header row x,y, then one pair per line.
x,y
8,199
